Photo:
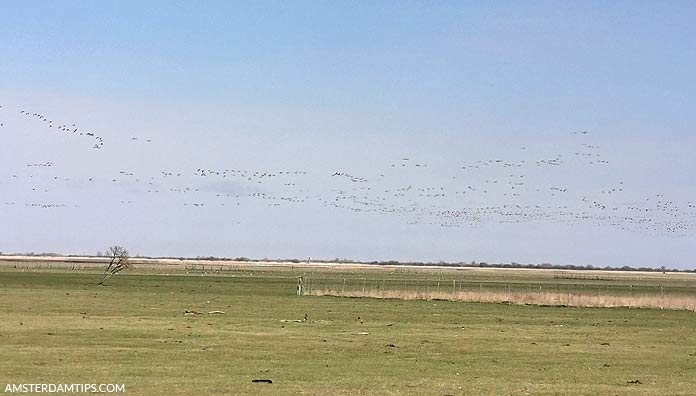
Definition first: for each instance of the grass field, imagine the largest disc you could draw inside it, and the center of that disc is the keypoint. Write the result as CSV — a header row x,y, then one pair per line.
x,y
59,327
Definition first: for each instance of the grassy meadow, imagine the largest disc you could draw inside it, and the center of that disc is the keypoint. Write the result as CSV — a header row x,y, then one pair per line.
x,y
59,327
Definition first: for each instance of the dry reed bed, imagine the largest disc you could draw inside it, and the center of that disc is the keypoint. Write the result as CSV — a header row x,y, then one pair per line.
x,y
524,298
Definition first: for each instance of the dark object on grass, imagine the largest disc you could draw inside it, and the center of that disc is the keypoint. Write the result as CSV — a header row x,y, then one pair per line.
x,y
634,382
262,381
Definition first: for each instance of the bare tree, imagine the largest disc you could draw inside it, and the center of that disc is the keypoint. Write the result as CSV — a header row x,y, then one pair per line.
x,y
118,261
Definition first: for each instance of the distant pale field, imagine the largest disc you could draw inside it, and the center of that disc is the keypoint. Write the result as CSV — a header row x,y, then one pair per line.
x,y
59,327
79,262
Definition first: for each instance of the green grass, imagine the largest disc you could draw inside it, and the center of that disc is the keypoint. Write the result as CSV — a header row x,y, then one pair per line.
x,y
61,328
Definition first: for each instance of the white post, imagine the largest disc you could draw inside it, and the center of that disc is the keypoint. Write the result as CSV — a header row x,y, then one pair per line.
x,y
662,298
300,286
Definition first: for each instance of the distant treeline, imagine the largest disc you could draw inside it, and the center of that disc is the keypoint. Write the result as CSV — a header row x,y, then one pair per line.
x,y
484,264
481,264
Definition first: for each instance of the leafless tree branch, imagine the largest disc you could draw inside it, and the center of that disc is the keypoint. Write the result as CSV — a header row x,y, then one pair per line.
x,y
118,261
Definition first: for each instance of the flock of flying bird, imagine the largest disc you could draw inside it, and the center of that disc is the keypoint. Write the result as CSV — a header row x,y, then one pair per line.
x,y
524,188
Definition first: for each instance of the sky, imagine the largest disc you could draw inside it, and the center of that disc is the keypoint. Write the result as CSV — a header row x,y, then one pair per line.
x,y
528,132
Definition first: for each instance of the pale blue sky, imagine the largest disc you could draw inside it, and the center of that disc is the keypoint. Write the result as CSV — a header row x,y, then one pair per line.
x,y
352,87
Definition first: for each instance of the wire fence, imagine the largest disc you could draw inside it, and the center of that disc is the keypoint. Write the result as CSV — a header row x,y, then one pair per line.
x,y
530,293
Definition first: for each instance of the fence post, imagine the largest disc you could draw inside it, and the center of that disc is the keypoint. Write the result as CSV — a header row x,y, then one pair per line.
x,y
662,298
570,298
526,293
558,295
300,286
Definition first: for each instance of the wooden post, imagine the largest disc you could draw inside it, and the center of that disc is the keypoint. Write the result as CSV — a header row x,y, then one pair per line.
x,y
526,293
662,298
558,295
569,297
300,286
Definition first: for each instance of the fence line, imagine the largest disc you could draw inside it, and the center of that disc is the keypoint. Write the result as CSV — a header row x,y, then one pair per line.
x,y
574,295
